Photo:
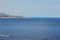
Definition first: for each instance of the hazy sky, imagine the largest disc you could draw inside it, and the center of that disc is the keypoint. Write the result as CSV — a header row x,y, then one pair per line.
x,y
31,8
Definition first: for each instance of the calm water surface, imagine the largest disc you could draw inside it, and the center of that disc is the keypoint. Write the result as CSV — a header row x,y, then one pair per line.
x,y
30,29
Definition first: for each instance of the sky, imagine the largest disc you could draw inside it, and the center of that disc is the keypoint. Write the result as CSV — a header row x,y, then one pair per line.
x,y
31,8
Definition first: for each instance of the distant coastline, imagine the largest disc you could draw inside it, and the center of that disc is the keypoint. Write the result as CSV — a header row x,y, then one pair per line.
x,y
4,15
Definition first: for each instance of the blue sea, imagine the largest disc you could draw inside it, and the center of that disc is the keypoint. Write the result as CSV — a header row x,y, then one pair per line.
x,y
30,28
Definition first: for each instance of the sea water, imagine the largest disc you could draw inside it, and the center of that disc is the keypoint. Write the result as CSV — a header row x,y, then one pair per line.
x,y
30,28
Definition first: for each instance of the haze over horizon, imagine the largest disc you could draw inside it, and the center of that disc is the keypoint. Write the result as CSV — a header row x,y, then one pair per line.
x,y
31,8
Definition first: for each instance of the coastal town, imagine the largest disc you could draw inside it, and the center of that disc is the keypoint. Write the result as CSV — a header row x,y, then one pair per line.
x,y
4,15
